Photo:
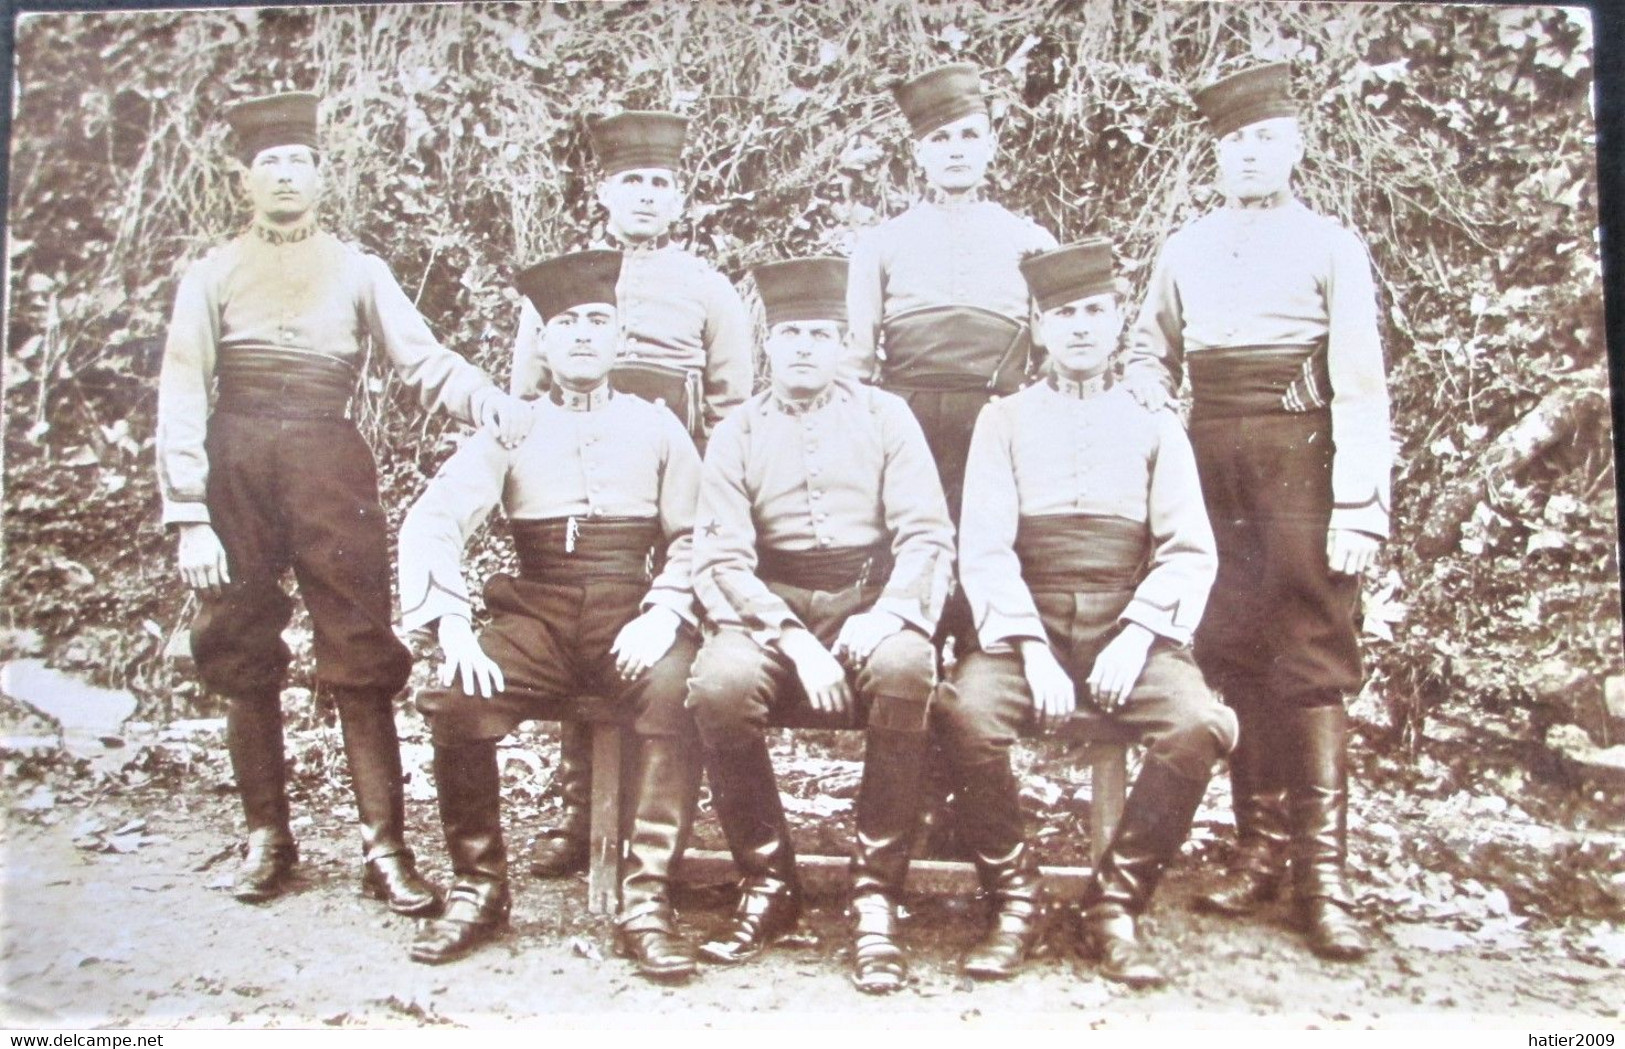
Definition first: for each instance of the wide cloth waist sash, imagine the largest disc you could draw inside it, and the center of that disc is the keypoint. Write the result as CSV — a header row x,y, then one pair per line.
x,y
954,348
826,570
1258,380
283,384
680,389
1079,553
574,551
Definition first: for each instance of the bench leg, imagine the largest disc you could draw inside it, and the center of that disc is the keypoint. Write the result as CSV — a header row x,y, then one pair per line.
x,y
604,837
1108,786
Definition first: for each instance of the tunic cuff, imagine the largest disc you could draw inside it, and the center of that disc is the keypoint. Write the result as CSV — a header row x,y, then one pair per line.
x,y
1371,518
908,611
176,513
1007,631
1158,620
436,603
679,601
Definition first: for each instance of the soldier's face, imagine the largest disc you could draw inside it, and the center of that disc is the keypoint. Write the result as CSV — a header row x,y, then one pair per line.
x,y
1081,335
579,344
1256,161
642,202
283,183
955,157
804,355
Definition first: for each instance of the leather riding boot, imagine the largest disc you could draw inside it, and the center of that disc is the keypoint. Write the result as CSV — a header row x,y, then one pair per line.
x,y
666,776
477,907
563,850
1256,874
990,800
373,751
254,741
937,836
1156,819
1318,797
888,812
746,796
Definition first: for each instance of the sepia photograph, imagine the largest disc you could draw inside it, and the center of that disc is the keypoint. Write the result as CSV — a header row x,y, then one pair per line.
x,y
1086,514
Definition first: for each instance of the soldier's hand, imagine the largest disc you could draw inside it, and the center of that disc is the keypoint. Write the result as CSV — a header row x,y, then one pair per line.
x,y
509,417
201,558
1349,552
821,674
862,634
1147,389
1119,665
1054,695
642,642
466,661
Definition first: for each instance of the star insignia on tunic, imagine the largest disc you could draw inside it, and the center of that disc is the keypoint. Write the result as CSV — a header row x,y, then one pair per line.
x,y
711,529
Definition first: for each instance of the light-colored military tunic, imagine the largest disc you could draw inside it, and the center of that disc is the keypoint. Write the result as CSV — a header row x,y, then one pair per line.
x,y
1283,276
674,309
307,292
592,457
849,470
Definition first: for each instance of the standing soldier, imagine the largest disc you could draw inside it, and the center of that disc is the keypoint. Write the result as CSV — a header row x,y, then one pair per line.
x,y
1087,558
277,477
686,341
1272,310
936,297
823,556
600,494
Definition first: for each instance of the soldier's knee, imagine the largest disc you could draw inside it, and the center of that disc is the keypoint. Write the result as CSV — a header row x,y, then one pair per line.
x,y
904,665
729,689
1204,733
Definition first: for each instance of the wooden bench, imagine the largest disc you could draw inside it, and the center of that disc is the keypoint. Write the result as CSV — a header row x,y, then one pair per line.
x,y
1104,747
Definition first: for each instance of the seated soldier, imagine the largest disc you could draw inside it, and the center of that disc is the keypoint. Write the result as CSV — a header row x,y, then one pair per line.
x,y
1087,558
822,561
600,493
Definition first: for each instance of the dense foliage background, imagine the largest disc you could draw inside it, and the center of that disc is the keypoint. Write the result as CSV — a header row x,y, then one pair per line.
x,y
1457,139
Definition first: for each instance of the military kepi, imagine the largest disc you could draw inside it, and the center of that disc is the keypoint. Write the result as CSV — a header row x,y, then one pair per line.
x,y
1259,93
803,289
1067,274
568,281
274,120
940,97
638,139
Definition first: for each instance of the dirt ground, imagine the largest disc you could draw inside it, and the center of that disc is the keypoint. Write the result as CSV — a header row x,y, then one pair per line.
x,y
116,914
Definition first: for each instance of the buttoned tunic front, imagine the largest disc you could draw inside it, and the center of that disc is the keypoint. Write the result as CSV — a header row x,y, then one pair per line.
x,y
307,292
590,459
1056,449
1283,455
1094,462
849,470
283,483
